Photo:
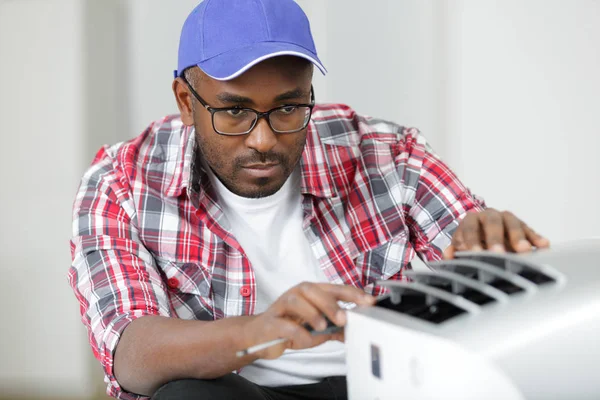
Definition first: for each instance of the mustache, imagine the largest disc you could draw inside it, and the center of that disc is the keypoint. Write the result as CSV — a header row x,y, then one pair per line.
x,y
261,158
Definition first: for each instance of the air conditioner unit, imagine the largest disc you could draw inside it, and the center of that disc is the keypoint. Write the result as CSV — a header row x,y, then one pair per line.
x,y
483,326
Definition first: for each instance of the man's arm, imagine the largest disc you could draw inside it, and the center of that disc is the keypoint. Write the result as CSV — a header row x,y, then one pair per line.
x,y
113,276
154,350
440,199
124,301
444,216
125,306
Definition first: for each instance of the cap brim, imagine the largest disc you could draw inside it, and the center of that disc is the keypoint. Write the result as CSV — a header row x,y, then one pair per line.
x,y
233,63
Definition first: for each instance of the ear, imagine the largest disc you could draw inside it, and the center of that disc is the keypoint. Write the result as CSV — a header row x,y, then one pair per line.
x,y
184,101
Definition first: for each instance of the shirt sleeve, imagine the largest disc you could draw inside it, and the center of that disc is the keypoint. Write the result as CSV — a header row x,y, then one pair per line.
x,y
436,200
113,275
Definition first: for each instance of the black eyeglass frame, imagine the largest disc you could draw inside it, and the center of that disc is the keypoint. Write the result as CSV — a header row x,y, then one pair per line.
x,y
259,114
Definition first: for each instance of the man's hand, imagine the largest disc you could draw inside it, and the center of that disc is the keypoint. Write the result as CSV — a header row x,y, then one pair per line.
x,y
305,303
494,230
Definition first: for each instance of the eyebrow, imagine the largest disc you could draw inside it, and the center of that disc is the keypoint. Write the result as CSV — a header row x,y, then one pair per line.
x,y
234,99
291,95
231,98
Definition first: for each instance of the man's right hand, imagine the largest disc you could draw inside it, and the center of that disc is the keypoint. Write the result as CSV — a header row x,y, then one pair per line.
x,y
154,350
306,303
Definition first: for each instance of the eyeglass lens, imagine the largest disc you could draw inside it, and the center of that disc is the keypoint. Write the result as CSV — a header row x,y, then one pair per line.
x,y
283,119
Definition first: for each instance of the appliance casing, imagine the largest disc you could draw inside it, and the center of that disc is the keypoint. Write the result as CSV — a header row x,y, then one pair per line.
x,y
542,342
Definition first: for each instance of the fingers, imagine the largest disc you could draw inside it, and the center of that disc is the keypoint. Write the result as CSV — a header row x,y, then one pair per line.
x,y
312,302
515,235
276,327
295,304
324,303
349,294
495,231
534,238
339,336
519,237
297,337
470,233
493,227
449,252
324,297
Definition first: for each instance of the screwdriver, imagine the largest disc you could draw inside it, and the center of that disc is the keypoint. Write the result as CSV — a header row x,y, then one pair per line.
x,y
331,328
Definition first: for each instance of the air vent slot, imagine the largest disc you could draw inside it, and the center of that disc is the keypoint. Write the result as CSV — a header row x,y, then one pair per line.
x,y
424,302
508,262
471,272
502,280
504,286
453,283
415,304
477,297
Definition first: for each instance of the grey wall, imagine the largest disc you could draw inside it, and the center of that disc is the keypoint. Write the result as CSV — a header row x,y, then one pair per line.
x,y
42,112
521,108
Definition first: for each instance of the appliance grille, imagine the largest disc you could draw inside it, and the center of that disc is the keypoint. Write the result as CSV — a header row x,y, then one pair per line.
x,y
464,285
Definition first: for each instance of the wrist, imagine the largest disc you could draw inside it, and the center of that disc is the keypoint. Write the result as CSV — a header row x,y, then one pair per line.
x,y
242,331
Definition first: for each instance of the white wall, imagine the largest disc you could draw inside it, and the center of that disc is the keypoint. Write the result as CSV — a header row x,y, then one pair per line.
x,y
382,59
522,108
42,341
152,37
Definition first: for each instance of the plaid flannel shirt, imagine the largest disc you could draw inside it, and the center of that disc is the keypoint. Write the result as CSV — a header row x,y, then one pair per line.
x,y
151,239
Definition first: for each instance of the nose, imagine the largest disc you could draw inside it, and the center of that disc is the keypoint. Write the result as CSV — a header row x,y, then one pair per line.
x,y
261,138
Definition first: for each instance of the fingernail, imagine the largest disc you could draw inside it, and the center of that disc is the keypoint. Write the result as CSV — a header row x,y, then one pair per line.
x,y
476,248
497,248
321,325
447,253
524,245
543,242
340,317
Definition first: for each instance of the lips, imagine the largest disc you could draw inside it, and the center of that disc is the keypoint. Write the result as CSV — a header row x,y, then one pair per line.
x,y
262,170
261,166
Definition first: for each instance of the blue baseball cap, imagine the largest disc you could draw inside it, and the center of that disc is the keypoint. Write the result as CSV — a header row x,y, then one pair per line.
x,y
227,37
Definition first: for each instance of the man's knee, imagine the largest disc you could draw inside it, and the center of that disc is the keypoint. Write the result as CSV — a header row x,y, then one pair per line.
x,y
182,389
229,386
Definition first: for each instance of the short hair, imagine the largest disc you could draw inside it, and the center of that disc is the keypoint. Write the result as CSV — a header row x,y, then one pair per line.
x,y
190,75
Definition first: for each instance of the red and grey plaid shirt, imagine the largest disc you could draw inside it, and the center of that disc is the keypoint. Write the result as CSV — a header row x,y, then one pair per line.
x,y
151,239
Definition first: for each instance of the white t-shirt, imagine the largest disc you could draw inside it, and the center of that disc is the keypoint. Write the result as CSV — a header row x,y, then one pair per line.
x,y
270,231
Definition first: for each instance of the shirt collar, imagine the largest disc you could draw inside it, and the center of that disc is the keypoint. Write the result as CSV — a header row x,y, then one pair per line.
x,y
316,178
182,164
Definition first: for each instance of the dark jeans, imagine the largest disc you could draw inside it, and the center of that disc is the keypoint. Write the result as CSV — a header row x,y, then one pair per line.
x,y
233,386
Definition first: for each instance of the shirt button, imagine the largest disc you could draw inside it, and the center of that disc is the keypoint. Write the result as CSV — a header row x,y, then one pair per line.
x,y
245,291
173,283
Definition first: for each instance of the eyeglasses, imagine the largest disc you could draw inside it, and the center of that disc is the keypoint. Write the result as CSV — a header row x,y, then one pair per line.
x,y
235,121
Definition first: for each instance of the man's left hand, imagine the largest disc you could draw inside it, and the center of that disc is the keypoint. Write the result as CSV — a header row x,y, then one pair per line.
x,y
494,230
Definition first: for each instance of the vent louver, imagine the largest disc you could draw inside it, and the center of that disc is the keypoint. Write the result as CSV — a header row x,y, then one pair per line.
x,y
537,274
424,302
464,285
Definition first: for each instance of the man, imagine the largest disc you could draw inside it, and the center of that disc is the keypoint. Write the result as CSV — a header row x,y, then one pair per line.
x,y
255,215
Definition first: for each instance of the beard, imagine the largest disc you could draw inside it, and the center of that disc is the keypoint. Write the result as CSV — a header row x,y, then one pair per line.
x,y
228,170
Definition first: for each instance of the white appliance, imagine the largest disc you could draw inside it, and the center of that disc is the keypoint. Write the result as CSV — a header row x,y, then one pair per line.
x,y
483,326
